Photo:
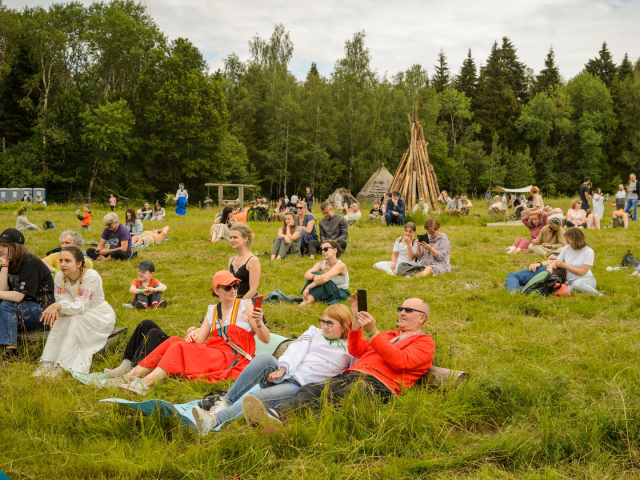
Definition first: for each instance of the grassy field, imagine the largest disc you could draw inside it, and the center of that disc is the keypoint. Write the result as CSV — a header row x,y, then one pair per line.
x,y
553,390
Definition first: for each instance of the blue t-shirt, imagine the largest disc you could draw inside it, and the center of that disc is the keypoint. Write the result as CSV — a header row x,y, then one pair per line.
x,y
115,239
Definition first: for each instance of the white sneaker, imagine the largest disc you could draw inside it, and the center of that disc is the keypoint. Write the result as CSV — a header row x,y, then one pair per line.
x,y
136,386
205,421
43,369
56,372
222,404
256,414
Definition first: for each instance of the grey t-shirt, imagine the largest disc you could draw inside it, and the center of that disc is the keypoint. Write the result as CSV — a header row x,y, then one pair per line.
x,y
632,195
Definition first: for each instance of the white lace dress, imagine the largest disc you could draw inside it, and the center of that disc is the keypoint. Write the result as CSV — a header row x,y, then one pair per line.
x,y
86,320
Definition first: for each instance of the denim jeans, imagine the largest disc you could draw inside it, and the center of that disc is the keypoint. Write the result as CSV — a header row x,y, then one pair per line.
x,y
632,204
26,313
517,280
271,394
309,205
391,218
34,227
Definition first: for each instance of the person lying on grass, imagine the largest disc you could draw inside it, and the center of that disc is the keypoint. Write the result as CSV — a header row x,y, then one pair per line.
x,y
577,259
317,355
149,237
388,362
328,280
288,239
516,281
81,320
220,349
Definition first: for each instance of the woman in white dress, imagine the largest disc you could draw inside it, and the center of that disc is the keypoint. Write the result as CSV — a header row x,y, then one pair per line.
x,y
404,251
598,203
80,319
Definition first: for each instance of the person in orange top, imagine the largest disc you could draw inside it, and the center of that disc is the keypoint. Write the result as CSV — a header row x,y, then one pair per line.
x,y
146,290
388,362
85,218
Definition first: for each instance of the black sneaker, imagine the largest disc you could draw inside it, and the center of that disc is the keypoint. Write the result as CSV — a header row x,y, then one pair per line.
x,y
161,304
140,306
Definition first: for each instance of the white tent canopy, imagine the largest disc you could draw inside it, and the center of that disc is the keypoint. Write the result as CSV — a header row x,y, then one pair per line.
x,y
513,190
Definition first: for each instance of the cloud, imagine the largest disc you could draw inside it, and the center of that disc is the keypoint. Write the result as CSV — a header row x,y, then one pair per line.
x,y
401,33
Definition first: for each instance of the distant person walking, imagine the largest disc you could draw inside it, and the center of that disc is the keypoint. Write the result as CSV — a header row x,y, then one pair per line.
x,y
584,193
632,197
112,202
182,196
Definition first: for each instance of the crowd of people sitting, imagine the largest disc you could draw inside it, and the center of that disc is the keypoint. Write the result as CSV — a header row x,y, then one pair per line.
x,y
64,293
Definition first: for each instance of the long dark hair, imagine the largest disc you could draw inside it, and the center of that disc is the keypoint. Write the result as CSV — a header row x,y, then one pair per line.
x,y
17,254
133,217
224,218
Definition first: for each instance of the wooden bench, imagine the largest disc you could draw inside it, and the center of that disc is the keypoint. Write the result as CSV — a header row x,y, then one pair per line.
x,y
41,336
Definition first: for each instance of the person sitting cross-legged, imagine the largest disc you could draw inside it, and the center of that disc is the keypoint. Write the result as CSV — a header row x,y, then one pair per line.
x,y
395,209
319,354
288,239
389,362
115,242
328,280
550,238
332,227
454,206
68,238
146,290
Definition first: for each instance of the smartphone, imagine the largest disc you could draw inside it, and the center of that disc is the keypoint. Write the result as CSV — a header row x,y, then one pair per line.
x,y
257,301
361,295
423,238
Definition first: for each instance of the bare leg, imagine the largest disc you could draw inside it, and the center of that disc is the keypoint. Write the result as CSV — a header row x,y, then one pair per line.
x,y
156,376
273,257
139,372
426,272
596,222
309,301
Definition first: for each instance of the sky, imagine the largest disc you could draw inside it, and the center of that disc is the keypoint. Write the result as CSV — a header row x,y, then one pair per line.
x,y
403,32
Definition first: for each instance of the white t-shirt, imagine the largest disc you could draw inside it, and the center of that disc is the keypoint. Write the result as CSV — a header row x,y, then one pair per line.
x,y
294,198
577,258
241,320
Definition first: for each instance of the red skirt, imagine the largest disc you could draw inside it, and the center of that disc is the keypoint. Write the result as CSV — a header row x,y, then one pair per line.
x,y
213,361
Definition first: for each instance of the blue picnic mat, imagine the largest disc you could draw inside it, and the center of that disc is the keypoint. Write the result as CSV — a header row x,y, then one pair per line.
x,y
97,379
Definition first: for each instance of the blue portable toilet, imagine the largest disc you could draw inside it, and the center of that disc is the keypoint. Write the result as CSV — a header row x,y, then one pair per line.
x,y
14,195
28,191
39,191
4,195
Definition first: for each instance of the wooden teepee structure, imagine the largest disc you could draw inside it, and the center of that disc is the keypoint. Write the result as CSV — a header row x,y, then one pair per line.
x,y
415,177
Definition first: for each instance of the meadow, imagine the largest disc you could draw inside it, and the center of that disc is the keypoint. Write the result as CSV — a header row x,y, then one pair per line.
x,y
553,387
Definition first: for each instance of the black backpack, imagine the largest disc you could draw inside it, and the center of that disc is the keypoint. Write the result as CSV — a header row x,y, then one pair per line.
x,y
542,284
629,260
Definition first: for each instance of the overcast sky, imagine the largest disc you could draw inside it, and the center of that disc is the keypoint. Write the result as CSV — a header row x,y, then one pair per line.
x,y
403,32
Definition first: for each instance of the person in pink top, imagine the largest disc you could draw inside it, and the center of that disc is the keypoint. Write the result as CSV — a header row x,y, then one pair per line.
x,y
534,222
112,202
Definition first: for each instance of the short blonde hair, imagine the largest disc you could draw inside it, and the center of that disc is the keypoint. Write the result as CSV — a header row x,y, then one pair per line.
x,y
342,314
110,218
245,231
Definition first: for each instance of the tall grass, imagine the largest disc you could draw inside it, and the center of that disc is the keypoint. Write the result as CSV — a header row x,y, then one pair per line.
x,y
553,390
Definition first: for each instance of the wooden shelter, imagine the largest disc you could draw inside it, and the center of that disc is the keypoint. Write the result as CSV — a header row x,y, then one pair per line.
x,y
221,200
415,177
376,186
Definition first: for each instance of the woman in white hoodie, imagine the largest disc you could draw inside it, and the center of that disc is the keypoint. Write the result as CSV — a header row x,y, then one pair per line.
x,y
317,355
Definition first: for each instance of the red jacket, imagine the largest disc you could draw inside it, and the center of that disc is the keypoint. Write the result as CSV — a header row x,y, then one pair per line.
x,y
397,365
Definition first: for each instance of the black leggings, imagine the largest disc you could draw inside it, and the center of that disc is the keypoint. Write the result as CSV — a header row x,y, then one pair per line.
x,y
337,387
115,255
146,338
571,224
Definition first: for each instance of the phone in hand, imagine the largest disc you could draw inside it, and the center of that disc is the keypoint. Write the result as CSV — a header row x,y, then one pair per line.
x,y
257,301
361,296
424,238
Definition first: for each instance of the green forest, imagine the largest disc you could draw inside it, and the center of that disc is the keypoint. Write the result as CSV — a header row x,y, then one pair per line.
x,y
97,100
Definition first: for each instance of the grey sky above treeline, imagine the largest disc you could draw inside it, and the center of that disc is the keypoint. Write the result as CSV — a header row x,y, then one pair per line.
x,y
404,32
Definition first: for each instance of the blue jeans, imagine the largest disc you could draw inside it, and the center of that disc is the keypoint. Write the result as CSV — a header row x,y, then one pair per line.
x,y
391,218
26,312
517,280
632,203
309,205
33,227
256,374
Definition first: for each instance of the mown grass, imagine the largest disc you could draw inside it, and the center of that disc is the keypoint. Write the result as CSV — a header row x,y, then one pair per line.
x,y
553,390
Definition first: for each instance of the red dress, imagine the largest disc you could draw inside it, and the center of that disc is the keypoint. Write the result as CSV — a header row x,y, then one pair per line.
x,y
213,361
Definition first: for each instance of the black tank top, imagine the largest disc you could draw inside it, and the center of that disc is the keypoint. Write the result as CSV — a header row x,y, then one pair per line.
x,y
241,274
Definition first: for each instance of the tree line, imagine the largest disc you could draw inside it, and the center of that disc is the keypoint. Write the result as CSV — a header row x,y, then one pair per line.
x,y
96,100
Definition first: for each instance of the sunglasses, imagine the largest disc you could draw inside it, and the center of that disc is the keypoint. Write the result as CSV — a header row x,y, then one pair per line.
x,y
409,310
328,323
299,208
326,249
228,288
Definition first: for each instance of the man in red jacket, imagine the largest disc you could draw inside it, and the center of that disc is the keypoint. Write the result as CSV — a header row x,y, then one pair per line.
x,y
388,362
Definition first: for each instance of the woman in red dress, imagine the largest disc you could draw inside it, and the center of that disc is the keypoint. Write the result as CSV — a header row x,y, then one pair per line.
x,y
218,350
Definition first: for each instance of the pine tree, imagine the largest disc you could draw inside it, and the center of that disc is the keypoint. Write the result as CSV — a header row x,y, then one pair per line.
x,y
626,68
442,77
467,80
549,76
603,66
514,70
313,71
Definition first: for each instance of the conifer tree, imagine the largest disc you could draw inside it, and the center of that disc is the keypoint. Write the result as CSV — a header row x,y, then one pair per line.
x,y
549,76
626,68
603,66
442,77
467,80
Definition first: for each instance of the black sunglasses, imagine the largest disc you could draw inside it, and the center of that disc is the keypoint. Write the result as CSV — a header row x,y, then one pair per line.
x,y
326,249
300,208
328,323
228,288
410,310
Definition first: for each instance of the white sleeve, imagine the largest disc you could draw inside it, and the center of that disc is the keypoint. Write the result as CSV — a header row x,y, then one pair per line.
x,y
209,316
589,257
396,246
91,285
296,352
563,253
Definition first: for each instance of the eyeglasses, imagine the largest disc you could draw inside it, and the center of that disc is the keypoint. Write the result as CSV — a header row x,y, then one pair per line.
x,y
228,288
328,323
299,208
410,310
326,249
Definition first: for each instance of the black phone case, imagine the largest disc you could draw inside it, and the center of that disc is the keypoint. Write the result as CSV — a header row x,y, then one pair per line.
x,y
362,300
424,238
